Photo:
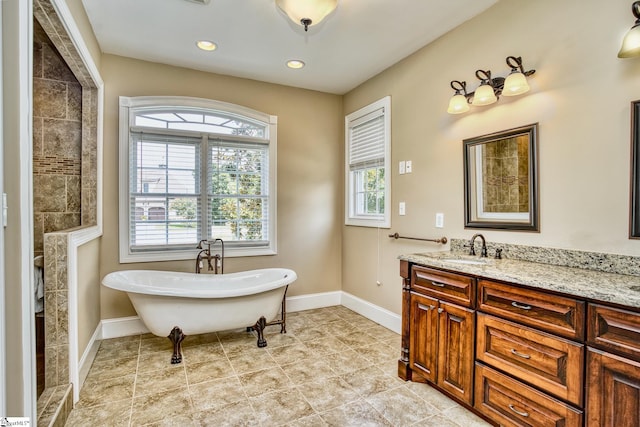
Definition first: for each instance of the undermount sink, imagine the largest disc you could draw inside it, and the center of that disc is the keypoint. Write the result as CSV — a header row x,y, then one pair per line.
x,y
466,261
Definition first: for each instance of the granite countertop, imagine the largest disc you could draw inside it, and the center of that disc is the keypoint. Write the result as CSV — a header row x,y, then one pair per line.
x,y
583,283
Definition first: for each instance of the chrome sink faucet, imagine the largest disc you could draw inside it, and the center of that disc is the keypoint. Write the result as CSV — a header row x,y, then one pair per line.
x,y
472,251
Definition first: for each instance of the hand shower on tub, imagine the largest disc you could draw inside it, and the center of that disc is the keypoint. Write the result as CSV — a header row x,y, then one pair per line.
x,y
205,253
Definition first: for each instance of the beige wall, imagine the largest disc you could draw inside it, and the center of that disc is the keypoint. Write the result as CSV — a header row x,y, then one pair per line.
x,y
17,248
88,292
580,97
309,171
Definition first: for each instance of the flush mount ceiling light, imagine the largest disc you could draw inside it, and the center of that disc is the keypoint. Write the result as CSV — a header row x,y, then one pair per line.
x,y
206,45
490,88
307,12
295,64
631,42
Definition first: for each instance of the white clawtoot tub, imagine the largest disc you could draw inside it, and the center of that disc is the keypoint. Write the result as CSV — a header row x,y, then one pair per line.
x,y
180,304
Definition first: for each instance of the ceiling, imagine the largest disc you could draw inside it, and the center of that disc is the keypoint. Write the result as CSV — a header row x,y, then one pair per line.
x,y
255,39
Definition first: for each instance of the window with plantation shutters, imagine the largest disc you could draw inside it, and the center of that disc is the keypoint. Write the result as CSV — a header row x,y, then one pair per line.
x,y
368,148
193,169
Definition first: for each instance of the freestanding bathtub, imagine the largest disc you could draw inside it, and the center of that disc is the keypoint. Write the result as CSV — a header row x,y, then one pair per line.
x,y
181,304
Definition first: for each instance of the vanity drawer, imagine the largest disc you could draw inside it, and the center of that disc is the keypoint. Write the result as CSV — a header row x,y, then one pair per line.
x,y
614,330
511,403
552,313
455,288
550,363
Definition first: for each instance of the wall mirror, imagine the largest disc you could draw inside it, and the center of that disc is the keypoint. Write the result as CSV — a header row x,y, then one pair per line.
x,y
634,227
500,180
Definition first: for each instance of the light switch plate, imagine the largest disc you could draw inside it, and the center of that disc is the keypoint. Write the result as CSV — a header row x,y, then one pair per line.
x,y
408,166
439,220
401,167
402,208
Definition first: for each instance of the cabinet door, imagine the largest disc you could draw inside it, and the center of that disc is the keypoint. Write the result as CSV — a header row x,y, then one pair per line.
x,y
455,350
423,341
613,391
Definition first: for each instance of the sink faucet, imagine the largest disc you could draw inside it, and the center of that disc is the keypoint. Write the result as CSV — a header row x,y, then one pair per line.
x,y
472,251
205,253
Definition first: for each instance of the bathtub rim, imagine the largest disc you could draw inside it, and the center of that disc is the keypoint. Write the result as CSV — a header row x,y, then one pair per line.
x,y
121,281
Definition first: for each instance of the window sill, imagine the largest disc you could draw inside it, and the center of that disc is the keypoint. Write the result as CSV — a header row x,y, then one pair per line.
x,y
182,255
373,223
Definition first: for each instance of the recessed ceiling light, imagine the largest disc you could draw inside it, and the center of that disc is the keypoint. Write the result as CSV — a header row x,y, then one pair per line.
x,y
295,64
206,45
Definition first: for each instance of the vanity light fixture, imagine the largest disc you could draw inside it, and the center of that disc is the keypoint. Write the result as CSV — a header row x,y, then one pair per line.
x,y
307,12
490,87
631,42
206,45
295,64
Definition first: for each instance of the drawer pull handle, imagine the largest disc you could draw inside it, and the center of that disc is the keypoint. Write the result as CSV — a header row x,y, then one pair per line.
x,y
517,353
521,306
521,413
426,307
438,284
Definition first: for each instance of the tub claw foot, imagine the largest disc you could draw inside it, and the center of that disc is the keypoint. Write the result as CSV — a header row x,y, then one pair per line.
x,y
259,328
176,336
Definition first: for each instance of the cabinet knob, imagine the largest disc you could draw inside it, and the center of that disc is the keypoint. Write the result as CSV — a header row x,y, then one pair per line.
x,y
440,310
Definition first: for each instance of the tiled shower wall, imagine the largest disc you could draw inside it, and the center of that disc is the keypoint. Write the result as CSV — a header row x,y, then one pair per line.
x,y
57,142
65,149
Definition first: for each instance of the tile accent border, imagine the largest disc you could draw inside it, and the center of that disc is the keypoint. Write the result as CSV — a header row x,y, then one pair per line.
x,y
598,261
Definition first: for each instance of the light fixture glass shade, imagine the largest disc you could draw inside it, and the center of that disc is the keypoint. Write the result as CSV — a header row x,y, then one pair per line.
x,y
484,95
458,104
314,10
515,84
631,43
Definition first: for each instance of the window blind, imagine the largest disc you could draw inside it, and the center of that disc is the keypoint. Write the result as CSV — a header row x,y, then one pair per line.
x,y
367,141
164,190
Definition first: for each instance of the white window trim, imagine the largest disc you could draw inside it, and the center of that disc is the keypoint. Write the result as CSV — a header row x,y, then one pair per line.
x,y
129,103
350,219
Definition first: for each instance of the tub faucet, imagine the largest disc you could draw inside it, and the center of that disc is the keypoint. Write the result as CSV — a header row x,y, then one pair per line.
x,y
205,253
472,251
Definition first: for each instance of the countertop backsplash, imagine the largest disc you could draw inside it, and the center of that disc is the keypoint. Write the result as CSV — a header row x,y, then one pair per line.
x,y
608,263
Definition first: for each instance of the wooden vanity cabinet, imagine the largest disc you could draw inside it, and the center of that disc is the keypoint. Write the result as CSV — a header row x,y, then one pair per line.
x,y
519,356
613,367
442,333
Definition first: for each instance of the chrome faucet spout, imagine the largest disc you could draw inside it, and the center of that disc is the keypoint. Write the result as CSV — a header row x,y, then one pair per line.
x,y
472,250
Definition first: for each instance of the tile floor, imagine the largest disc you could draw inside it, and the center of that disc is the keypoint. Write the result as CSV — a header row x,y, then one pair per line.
x,y
333,368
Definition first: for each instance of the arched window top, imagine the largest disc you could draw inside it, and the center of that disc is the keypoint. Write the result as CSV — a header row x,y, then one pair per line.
x,y
209,121
197,115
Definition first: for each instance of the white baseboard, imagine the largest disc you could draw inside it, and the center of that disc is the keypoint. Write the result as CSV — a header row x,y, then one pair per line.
x,y
311,301
384,317
87,358
124,326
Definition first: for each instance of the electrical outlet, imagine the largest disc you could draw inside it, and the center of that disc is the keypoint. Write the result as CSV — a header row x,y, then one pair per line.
x,y
402,208
439,220
408,166
401,167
